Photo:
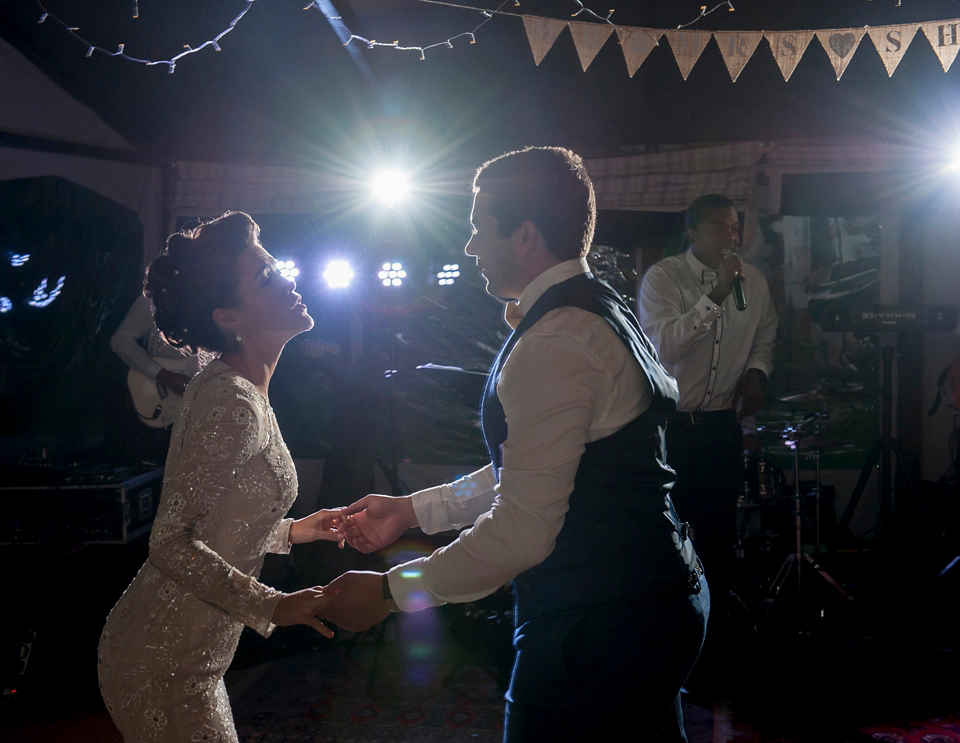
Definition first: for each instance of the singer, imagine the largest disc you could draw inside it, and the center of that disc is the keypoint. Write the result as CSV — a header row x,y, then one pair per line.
x,y
720,352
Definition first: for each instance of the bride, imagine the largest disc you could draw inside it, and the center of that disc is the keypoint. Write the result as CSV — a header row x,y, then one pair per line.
x,y
228,482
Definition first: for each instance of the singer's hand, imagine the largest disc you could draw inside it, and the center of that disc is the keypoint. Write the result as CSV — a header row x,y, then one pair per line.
x,y
730,268
750,393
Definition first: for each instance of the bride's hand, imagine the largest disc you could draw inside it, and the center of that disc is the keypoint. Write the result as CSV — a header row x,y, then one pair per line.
x,y
324,524
302,607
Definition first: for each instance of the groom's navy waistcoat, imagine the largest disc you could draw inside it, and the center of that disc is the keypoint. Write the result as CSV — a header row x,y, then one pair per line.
x,y
621,538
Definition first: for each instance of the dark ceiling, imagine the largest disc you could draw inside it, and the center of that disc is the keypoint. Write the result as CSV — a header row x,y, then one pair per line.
x,y
285,89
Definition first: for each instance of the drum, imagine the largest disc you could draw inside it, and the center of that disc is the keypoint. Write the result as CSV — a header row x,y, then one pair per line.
x,y
763,482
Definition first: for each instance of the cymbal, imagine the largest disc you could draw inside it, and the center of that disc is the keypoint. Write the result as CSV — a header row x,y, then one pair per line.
x,y
826,391
817,394
820,442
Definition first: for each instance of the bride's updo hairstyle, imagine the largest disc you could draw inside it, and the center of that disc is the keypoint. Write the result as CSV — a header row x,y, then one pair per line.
x,y
197,273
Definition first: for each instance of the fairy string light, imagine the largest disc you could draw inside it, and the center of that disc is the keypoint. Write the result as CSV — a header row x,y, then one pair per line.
x,y
728,4
704,12
170,63
446,43
605,19
422,49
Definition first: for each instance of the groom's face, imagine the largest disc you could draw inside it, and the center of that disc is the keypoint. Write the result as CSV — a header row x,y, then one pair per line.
x,y
495,255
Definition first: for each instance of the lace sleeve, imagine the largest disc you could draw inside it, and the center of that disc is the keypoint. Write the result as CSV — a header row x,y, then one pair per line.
x,y
219,433
279,542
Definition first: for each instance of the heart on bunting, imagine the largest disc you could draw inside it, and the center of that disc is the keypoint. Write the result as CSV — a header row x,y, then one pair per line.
x,y
842,43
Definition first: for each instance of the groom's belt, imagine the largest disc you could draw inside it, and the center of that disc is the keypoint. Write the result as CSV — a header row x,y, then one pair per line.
x,y
692,584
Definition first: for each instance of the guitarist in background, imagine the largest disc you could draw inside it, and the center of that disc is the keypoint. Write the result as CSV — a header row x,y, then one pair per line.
x,y
157,377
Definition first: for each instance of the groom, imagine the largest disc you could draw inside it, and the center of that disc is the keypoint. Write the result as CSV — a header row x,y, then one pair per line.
x,y
574,507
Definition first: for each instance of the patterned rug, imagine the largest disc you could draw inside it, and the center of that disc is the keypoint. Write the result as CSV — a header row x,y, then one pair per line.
x,y
937,730
322,696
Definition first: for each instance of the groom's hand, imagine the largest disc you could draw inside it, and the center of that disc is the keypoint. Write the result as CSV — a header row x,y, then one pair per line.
x,y
375,521
355,601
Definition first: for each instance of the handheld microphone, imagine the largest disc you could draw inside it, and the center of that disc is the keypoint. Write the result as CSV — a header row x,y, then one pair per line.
x,y
739,299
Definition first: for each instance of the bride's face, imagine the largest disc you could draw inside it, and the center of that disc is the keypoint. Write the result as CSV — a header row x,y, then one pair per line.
x,y
269,304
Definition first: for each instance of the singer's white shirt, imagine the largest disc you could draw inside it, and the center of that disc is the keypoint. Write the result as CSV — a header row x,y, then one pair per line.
x,y
705,346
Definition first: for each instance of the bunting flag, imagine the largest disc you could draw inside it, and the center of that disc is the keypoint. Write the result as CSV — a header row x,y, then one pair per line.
x,y
840,44
942,36
738,47
588,38
687,47
787,48
636,44
542,33
892,42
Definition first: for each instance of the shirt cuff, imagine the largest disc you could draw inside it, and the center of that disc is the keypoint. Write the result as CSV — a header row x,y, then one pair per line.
x,y
759,365
408,588
455,504
706,312
428,506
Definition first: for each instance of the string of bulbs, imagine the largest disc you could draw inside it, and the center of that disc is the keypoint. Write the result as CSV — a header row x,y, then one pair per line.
x,y
422,49
170,63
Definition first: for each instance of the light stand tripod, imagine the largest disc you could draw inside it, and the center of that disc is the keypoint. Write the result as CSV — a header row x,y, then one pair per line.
x,y
795,563
883,448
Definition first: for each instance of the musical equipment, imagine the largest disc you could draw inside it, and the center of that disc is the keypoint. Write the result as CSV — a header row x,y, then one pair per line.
x,y
819,442
763,481
108,505
466,385
798,561
739,299
883,451
156,404
823,392
617,268
316,349
889,318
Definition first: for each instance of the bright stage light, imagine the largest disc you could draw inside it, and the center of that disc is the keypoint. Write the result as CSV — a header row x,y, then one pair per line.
x,y
953,160
338,274
392,274
288,269
390,187
449,274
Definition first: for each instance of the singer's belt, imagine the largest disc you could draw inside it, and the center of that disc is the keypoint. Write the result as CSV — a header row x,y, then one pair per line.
x,y
702,417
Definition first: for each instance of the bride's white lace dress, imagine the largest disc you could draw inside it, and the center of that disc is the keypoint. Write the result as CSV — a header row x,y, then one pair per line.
x,y
229,480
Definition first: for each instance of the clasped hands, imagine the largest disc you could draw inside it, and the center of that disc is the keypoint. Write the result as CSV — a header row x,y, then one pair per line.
x,y
355,600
